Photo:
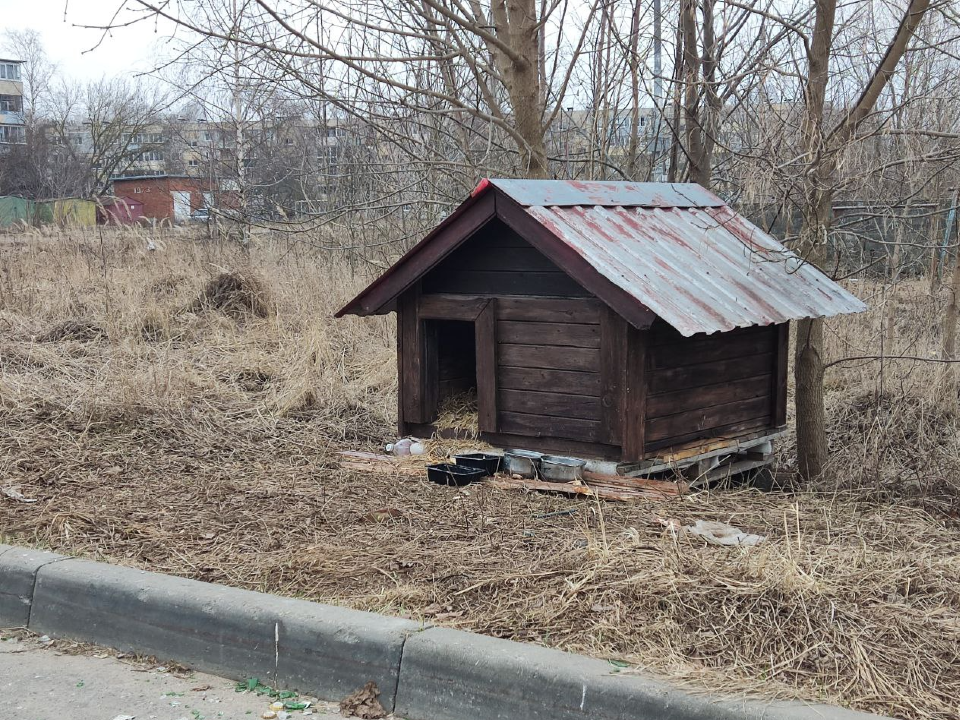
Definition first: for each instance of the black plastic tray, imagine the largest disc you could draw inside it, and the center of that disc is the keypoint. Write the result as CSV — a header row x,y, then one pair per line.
x,y
447,474
488,462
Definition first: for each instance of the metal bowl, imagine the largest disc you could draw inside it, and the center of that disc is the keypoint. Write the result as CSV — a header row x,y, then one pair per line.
x,y
524,463
555,468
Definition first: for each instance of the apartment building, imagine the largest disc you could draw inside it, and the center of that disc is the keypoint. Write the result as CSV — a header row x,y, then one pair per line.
x,y
12,131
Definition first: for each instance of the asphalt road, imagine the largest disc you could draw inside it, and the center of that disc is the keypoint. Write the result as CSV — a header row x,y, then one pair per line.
x,y
47,681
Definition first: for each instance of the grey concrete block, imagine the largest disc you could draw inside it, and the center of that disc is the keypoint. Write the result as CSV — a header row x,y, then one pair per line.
x,y
452,675
334,651
18,571
324,650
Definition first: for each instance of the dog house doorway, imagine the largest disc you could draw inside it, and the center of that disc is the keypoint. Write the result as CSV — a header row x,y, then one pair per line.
x,y
453,347
459,365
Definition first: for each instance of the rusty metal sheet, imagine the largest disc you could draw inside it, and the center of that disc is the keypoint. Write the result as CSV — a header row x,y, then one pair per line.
x,y
676,249
701,269
566,193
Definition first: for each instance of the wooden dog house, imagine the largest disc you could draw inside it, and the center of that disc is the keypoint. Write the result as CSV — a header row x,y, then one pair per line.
x,y
599,319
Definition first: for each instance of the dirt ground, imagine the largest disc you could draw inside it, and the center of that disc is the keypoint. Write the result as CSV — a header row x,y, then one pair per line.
x,y
146,423
42,679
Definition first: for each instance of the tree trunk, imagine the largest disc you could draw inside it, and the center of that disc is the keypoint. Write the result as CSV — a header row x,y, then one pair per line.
x,y
808,355
949,350
674,170
696,170
713,105
934,271
634,65
517,25
808,372
818,186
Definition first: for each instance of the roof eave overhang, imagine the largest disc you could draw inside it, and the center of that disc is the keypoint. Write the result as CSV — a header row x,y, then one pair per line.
x,y
378,297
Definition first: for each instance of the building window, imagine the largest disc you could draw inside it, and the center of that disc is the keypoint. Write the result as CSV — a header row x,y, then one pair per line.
x,y
12,135
328,155
193,163
9,71
11,103
150,156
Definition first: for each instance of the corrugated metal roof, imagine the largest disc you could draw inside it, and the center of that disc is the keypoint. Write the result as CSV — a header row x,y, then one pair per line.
x,y
675,249
606,194
702,268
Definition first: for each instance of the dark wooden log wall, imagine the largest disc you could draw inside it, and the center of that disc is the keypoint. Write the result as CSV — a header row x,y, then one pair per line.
x,y
496,262
562,367
548,361
711,385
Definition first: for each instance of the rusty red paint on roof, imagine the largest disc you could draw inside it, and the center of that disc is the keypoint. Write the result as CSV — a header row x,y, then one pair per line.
x,y
566,193
676,249
700,267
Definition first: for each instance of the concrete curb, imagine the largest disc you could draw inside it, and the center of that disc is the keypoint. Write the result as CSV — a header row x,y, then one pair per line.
x,y
329,651
453,675
18,577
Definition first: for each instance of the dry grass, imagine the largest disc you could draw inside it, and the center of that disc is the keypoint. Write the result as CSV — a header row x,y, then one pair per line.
x,y
460,413
200,442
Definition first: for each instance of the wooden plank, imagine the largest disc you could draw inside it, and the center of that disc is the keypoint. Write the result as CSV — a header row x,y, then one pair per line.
x,y
572,263
544,333
498,235
483,256
453,231
778,416
724,431
486,348
411,361
703,420
550,357
563,381
550,403
402,423
536,426
505,483
572,310
613,358
662,333
431,371
680,401
451,307
484,282
558,446
636,382
690,376
666,487
711,349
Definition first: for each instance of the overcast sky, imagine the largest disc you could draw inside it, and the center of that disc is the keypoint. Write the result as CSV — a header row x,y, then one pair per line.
x,y
125,50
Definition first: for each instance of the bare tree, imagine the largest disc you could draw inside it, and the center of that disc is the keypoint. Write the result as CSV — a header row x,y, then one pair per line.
x,y
97,130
